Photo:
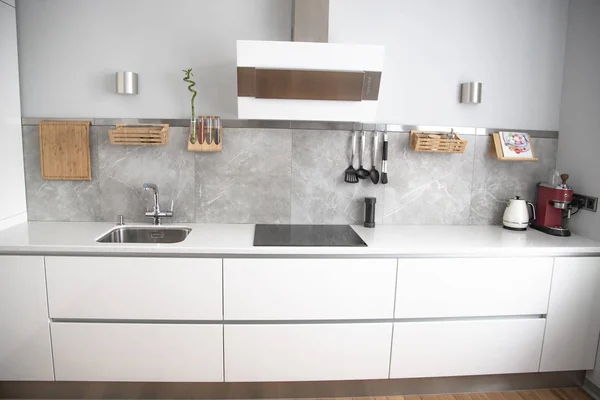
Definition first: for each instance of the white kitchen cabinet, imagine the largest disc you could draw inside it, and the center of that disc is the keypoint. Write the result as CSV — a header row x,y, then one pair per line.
x,y
13,205
307,352
9,2
134,288
470,287
308,289
25,352
573,326
138,352
476,347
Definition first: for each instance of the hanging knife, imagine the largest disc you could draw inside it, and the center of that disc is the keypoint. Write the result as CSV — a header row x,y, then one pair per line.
x,y
384,159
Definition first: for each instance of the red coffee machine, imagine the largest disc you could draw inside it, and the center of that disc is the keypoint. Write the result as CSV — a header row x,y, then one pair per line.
x,y
553,206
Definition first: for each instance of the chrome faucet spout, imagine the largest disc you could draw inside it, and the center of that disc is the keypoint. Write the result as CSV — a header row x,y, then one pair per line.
x,y
152,186
156,214
148,186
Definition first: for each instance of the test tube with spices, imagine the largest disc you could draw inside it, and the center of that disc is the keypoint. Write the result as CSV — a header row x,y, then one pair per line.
x,y
217,126
208,130
200,129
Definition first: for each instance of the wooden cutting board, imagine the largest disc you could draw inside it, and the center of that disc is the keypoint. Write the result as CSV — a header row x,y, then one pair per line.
x,y
65,150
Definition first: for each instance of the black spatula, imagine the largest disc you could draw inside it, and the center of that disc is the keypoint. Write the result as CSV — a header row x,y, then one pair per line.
x,y
350,175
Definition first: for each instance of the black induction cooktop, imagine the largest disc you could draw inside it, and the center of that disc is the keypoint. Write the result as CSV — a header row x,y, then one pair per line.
x,y
307,235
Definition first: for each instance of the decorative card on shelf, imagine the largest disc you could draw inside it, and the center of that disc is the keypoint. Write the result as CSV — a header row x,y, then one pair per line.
x,y
515,145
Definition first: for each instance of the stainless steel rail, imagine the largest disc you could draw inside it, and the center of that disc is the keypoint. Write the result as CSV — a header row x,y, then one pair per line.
x,y
300,125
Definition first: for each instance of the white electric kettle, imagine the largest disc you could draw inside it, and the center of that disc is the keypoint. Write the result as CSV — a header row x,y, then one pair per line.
x,y
516,216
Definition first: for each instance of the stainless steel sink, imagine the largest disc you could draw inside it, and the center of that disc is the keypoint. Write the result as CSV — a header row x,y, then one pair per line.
x,y
145,234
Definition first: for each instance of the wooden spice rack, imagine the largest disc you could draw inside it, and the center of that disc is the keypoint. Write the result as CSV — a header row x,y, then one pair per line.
x,y
206,147
140,135
435,142
496,151
201,132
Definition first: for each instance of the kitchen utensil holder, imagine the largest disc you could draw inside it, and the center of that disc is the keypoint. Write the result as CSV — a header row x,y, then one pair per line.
x,y
496,150
140,135
206,147
435,142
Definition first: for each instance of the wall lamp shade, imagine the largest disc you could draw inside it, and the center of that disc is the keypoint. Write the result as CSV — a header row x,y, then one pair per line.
x,y
470,92
127,82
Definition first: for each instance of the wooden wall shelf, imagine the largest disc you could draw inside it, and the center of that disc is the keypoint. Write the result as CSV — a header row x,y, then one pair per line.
x,y
434,142
140,135
496,151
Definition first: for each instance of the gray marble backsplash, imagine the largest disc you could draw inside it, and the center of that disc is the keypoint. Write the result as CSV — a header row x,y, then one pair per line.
x,y
284,176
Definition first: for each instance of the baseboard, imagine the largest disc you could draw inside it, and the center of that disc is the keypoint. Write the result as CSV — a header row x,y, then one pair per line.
x,y
592,389
271,390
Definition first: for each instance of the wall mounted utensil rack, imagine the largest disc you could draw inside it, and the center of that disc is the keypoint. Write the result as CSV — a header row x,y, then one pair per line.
x,y
303,125
140,134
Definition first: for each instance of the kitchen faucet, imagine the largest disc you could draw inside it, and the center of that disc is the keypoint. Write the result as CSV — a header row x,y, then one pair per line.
x,y
156,214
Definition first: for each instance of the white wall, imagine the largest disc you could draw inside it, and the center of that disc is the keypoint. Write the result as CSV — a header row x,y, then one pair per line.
x,y
515,47
70,50
579,139
13,206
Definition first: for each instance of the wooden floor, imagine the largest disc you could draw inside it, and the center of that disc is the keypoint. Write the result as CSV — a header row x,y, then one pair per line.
x,y
548,394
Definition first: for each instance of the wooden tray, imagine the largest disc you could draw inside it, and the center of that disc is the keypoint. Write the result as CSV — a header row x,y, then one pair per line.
x,y
430,142
140,135
205,147
496,150
65,150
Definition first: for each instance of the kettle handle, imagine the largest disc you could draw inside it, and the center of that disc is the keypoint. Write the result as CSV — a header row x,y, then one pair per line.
x,y
532,209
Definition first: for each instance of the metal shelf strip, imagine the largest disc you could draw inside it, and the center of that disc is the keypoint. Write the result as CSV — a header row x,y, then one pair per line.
x,y
300,125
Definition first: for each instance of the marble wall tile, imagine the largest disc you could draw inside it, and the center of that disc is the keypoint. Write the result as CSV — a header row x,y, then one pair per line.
x,y
319,193
496,181
283,176
427,188
249,181
59,200
124,169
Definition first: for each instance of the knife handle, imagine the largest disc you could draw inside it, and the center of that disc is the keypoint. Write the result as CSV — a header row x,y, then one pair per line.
x,y
384,176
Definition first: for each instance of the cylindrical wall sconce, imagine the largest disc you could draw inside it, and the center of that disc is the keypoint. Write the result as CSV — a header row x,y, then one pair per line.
x,y
470,92
127,82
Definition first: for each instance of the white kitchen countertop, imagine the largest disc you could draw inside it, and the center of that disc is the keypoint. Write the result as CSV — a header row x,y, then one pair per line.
x,y
216,240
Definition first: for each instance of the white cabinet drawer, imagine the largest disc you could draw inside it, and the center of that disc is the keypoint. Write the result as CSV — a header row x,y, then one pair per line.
x,y
255,353
571,338
308,289
137,352
454,348
134,288
25,351
434,288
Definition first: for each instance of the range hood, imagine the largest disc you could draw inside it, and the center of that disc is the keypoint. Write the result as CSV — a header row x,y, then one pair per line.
x,y
306,80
